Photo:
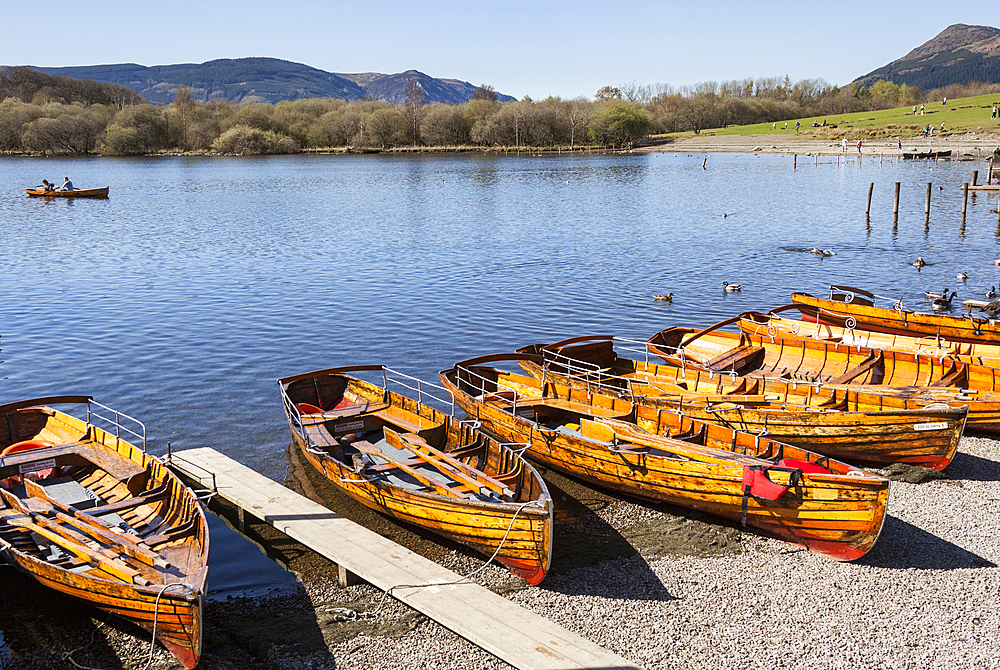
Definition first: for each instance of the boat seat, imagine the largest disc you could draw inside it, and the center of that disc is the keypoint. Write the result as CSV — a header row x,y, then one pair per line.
x,y
78,453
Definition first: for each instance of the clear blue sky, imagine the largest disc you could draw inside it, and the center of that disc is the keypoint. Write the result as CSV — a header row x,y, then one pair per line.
x,y
519,47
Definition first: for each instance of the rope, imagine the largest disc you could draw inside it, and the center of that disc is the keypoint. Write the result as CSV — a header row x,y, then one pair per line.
x,y
462,580
68,655
156,614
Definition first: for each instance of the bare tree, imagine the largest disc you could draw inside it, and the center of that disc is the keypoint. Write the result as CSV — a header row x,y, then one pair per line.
x,y
413,105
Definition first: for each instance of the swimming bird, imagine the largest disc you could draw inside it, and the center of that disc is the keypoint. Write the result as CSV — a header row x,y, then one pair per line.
x,y
920,262
820,252
992,309
731,288
944,302
997,262
664,298
992,293
931,295
964,276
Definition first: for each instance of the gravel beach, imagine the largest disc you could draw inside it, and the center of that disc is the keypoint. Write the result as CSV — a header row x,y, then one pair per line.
x,y
969,146
662,587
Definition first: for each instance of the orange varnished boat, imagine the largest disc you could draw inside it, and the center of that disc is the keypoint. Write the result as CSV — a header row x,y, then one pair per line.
x,y
777,489
88,514
855,309
416,464
815,360
773,325
846,423
75,193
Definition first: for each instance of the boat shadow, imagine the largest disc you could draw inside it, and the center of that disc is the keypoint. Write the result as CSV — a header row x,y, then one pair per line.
x,y
973,468
39,627
903,546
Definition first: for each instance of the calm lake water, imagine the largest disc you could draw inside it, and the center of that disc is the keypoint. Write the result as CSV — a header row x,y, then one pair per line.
x,y
182,298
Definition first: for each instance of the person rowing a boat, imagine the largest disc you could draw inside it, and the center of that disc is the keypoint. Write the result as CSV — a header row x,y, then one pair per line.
x,y
67,185
46,186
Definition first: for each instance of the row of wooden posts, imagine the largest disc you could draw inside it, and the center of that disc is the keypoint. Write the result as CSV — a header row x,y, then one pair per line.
x,y
927,200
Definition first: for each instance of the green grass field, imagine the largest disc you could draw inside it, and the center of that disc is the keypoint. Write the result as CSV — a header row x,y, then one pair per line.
x,y
961,115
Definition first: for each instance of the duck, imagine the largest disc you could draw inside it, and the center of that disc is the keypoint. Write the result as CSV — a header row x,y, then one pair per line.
x,y
731,288
664,298
962,276
820,252
992,293
919,263
944,302
931,295
997,262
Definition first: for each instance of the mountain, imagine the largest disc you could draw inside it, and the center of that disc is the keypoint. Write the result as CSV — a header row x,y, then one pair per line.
x,y
958,55
265,80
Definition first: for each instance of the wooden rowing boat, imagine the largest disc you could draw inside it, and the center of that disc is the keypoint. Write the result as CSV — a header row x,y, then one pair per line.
x,y
814,360
846,423
773,325
777,489
927,154
75,193
855,309
416,464
88,514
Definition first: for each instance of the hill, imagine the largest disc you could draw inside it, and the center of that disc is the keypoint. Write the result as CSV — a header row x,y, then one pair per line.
x,y
958,55
264,80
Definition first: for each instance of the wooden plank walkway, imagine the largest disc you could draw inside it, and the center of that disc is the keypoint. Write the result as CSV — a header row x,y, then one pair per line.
x,y
506,630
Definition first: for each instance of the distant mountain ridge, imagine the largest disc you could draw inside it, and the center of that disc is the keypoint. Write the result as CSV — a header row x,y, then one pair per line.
x,y
265,80
958,55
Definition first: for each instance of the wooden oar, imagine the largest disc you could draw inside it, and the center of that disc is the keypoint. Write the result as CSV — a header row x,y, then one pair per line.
x,y
454,468
70,541
373,450
96,528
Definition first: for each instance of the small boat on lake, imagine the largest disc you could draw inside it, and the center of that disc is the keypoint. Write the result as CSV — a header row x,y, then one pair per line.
x,y
855,309
75,193
824,505
404,458
927,154
92,516
848,423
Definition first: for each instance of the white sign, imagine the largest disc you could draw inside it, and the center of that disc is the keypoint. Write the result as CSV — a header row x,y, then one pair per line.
x,y
936,425
36,466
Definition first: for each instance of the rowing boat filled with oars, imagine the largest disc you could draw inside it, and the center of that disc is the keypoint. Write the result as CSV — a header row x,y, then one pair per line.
x,y
847,423
790,493
773,325
417,464
88,514
814,360
855,309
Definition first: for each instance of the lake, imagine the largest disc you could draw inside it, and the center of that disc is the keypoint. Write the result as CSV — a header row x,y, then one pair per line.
x,y
182,298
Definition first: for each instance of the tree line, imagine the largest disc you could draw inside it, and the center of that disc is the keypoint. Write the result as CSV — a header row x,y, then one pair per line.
x,y
59,115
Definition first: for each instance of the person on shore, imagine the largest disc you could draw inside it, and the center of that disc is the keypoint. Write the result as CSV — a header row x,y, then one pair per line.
x,y
67,185
796,126
859,147
921,110
899,143
843,144
786,126
944,101
775,124
994,111
942,126
914,110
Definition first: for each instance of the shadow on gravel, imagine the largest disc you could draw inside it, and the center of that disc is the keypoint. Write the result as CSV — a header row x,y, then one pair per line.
x,y
39,626
973,468
904,546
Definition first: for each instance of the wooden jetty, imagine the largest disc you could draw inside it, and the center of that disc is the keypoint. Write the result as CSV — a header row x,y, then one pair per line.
x,y
506,630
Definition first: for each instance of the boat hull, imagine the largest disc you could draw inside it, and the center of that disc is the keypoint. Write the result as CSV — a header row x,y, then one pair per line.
x,y
518,532
77,193
173,600
837,514
896,322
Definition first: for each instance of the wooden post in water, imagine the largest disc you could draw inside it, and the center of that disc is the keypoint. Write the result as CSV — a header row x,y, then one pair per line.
x,y
795,160
895,201
975,177
703,163
868,208
965,199
927,202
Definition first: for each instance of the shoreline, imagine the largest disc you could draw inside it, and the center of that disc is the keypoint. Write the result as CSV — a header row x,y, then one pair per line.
x,y
964,146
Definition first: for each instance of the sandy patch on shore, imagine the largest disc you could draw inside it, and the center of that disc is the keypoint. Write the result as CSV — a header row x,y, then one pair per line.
x,y
966,145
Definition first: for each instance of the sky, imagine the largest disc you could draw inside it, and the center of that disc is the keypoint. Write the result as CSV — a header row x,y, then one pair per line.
x,y
521,48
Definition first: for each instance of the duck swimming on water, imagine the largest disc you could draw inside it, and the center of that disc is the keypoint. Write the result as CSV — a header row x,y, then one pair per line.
x,y
664,298
944,302
919,263
731,288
